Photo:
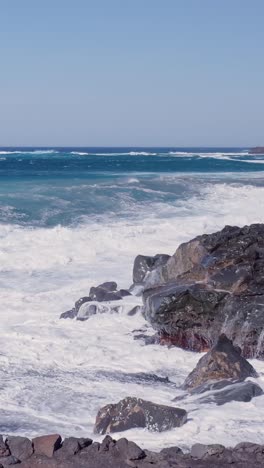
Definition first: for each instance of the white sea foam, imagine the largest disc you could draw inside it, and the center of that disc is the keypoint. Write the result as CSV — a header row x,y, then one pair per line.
x,y
51,370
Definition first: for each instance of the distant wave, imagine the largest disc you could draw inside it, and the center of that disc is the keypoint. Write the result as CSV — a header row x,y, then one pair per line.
x,y
131,153
30,152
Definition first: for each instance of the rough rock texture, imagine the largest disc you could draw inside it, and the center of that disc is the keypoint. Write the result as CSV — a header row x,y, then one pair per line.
x,y
20,447
143,265
213,284
84,453
46,445
224,361
135,412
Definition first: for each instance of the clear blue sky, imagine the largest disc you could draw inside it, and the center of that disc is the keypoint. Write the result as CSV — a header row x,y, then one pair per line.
x,y
132,72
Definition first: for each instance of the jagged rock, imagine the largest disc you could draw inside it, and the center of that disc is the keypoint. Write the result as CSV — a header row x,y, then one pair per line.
x,y
20,447
227,268
181,311
224,361
201,451
143,265
135,412
46,445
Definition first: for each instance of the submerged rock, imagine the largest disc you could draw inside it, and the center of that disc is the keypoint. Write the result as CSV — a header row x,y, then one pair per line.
x,y
213,284
135,412
224,361
239,391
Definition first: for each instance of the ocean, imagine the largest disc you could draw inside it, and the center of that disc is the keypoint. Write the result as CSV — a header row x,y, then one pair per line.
x,y
71,218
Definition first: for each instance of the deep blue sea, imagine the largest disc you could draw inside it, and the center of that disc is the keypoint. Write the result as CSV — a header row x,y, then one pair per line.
x,y
72,218
51,186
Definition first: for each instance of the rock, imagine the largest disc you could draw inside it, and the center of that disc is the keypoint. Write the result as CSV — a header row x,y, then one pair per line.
x,y
224,361
240,391
69,314
4,450
143,265
8,461
92,308
135,412
136,310
80,302
105,292
257,150
20,447
129,450
201,451
213,284
181,311
71,446
46,445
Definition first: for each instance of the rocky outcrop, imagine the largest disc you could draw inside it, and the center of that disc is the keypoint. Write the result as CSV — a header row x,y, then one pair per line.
x,y
213,284
223,362
257,150
84,453
101,299
135,412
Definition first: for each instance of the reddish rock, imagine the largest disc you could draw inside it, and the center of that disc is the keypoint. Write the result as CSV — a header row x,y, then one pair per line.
x,y
47,444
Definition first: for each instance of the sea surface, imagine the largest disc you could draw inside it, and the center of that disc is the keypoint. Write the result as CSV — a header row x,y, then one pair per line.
x,y
71,218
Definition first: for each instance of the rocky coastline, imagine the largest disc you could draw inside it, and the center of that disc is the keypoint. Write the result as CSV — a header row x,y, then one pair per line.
x,y
50,451
207,297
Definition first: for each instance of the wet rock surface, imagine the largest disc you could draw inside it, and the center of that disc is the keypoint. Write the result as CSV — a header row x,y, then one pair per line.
x,y
101,300
84,453
223,361
132,413
213,284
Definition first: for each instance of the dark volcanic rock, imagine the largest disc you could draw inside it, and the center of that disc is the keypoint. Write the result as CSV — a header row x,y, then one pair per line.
x,y
105,292
224,361
143,265
20,447
135,412
69,314
239,391
213,284
83,453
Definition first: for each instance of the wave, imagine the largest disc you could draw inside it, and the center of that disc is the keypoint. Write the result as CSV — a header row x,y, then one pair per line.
x,y
51,151
130,153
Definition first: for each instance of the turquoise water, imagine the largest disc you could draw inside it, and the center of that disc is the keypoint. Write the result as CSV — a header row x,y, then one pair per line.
x,y
66,186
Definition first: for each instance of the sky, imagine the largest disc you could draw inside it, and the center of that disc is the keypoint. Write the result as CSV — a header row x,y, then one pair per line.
x,y
131,73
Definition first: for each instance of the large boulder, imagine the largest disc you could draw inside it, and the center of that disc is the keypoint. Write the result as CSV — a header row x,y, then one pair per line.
x,y
130,413
223,362
213,284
